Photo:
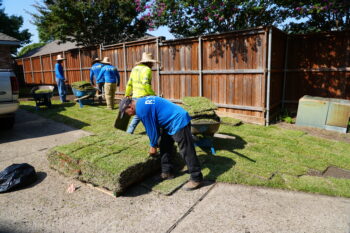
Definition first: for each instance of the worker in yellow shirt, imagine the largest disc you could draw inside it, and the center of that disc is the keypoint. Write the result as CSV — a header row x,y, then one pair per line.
x,y
140,84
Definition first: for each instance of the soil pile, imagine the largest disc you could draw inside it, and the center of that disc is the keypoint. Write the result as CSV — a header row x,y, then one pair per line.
x,y
82,86
200,109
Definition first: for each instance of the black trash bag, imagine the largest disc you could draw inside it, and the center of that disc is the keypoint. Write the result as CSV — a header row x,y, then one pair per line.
x,y
17,176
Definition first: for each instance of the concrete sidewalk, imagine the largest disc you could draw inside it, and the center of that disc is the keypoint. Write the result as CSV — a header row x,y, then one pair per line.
x,y
47,207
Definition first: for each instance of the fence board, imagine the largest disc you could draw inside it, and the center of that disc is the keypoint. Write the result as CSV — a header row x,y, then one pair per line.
x,y
318,65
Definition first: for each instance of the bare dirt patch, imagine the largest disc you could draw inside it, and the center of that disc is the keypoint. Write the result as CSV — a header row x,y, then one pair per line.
x,y
322,133
337,172
330,171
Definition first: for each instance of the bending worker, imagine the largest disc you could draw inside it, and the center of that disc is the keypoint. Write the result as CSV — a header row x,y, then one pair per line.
x,y
168,122
94,72
111,77
60,80
140,84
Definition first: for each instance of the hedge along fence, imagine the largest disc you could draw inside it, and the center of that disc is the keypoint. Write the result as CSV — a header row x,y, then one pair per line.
x,y
246,73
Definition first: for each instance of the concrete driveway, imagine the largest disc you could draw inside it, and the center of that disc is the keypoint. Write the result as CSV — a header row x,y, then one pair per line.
x,y
47,207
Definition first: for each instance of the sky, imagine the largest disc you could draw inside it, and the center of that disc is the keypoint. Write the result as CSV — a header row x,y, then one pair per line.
x,y
19,8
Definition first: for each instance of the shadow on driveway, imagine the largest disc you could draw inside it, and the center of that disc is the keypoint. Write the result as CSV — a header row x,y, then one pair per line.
x,y
30,125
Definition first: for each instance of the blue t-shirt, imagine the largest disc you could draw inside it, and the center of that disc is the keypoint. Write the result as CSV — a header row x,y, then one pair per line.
x,y
156,112
95,71
59,71
110,74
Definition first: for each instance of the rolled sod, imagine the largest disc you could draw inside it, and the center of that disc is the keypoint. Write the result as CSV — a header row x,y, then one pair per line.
x,y
113,160
201,109
82,86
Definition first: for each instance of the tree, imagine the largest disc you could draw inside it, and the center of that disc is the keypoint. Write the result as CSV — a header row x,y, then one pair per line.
x,y
88,22
317,15
196,17
10,25
28,48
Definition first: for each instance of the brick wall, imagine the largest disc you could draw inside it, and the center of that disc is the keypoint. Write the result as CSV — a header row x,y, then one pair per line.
x,y
5,57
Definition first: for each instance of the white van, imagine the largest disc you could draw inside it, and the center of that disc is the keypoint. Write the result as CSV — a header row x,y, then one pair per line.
x,y
9,103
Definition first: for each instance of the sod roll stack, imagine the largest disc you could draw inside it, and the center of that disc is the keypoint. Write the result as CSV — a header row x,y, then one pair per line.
x,y
113,160
82,86
201,109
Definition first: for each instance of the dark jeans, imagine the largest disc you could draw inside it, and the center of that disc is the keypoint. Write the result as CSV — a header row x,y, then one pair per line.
x,y
100,87
183,137
62,90
100,91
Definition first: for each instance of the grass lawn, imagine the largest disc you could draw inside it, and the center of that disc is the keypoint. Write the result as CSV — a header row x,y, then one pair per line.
x,y
258,155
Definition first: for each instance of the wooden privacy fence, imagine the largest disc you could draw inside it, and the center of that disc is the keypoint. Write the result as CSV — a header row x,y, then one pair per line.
x,y
318,65
249,74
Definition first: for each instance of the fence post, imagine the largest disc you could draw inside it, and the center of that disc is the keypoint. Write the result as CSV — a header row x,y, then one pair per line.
x,y
81,71
24,72
200,70
125,66
65,66
268,79
31,67
41,67
52,71
158,69
285,73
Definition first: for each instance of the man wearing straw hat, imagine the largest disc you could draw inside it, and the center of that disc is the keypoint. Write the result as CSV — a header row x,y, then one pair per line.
x,y
111,77
140,84
94,72
60,80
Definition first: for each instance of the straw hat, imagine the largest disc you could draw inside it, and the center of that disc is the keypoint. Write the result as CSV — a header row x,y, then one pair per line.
x,y
97,59
146,58
106,60
60,58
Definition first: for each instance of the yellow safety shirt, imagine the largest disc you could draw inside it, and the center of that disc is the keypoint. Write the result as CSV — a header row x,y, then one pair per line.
x,y
140,82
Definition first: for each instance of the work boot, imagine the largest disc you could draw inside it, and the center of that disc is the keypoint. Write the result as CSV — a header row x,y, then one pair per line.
x,y
166,176
192,185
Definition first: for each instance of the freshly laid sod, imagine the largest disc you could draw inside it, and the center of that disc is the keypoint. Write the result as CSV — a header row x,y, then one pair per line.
x,y
257,155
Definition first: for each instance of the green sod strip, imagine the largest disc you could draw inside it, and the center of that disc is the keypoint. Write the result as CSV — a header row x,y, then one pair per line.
x,y
166,187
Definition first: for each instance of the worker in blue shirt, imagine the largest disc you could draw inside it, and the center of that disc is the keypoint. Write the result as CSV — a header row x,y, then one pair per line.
x,y
94,72
60,80
111,77
166,123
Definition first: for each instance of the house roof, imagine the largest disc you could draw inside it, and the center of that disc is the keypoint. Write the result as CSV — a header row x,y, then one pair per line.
x,y
56,47
8,40
52,47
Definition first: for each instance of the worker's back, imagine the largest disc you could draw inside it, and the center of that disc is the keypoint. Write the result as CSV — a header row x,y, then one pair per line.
x,y
140,82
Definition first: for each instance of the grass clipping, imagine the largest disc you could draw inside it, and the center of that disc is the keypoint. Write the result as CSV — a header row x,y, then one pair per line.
x,y
201,109
113,160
